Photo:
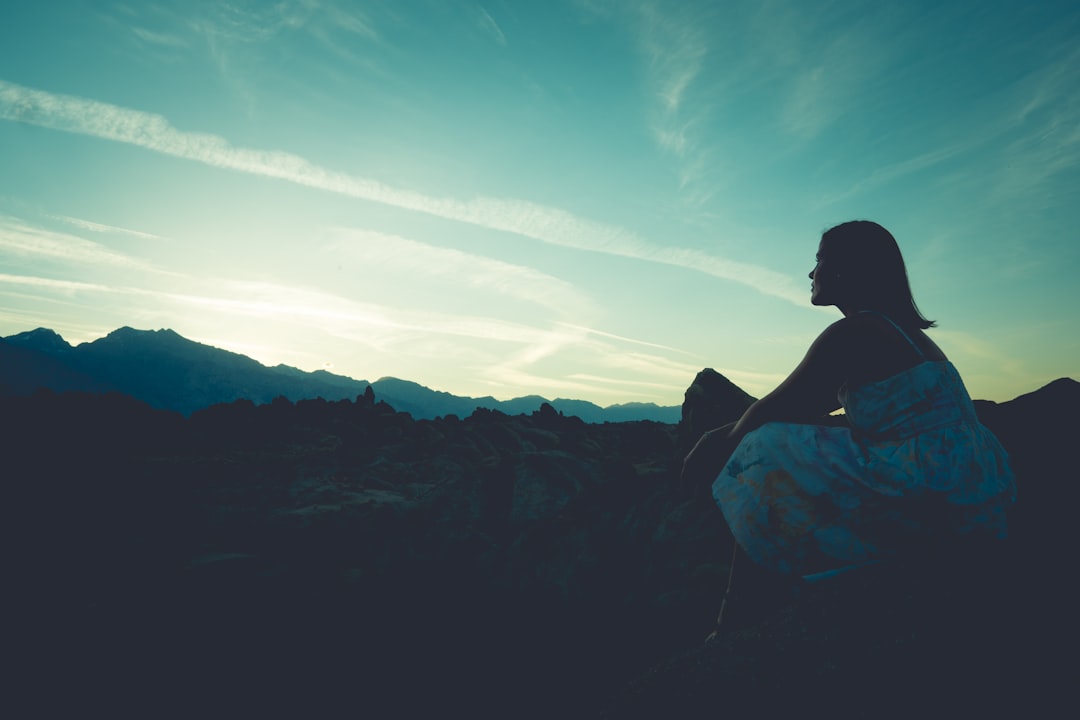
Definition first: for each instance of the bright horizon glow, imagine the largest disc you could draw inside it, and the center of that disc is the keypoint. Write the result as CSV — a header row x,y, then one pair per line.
x,y
584,199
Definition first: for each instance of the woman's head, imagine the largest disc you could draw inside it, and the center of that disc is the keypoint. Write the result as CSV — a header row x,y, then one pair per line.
x,y
860,267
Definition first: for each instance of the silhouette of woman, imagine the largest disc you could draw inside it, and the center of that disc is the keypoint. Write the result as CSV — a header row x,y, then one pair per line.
x,y
808,498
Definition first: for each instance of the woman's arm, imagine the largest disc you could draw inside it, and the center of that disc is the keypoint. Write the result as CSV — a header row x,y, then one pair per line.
x,y
807,395
809,392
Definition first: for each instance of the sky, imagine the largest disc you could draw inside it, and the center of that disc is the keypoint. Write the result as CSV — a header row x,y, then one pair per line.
x,y
581,199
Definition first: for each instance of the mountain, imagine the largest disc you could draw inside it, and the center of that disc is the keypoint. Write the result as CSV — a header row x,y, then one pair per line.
x,y
170,372
161,368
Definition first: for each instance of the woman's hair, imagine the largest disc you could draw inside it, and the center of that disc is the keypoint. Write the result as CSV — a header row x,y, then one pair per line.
x,y
873,268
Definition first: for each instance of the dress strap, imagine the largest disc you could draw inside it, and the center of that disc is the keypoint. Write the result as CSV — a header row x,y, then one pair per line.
x,y
898,329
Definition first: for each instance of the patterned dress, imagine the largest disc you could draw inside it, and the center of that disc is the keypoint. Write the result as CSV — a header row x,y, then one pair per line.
x,y
915,463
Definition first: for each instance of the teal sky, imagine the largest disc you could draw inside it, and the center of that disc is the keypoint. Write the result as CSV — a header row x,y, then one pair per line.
x,y
574,198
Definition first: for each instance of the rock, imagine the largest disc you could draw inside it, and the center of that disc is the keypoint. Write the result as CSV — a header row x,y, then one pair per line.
x,y
711,401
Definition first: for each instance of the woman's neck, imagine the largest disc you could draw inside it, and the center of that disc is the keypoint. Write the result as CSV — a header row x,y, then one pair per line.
x,y
850,309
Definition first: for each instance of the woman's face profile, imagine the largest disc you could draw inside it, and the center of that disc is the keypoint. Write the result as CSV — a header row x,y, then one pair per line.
x,y
823,277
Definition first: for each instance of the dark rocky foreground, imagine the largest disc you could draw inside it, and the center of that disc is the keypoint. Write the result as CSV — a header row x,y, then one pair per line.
x,y
341,558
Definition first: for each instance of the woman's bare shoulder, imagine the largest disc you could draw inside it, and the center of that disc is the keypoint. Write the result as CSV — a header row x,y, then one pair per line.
x,y
849,332
880,349
929,348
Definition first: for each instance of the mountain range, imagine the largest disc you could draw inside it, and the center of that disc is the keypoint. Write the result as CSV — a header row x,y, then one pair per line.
x,y
170,372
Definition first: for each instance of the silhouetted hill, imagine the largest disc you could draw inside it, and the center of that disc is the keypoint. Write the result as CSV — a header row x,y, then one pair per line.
x,y
171,372
1052,402
423,402
1047,415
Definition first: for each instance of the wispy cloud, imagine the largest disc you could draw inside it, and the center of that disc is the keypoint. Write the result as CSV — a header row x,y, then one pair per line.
x,y
102,228
1046,142
628,371
345,33
808,108
620,338
1045,86
157,38
350,20
832,82
1028,133
20,239
228,26
369,323
237,35
257,23
519,217
641,364
384,251
284,302
66,286
675,49
673,44
488,24
888,173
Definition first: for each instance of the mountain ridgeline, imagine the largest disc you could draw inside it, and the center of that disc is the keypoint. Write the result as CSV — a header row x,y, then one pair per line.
x,y
170,372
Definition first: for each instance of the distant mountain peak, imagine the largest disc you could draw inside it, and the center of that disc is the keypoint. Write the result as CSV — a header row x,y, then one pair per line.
x,y
41,339
128,331
165,340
